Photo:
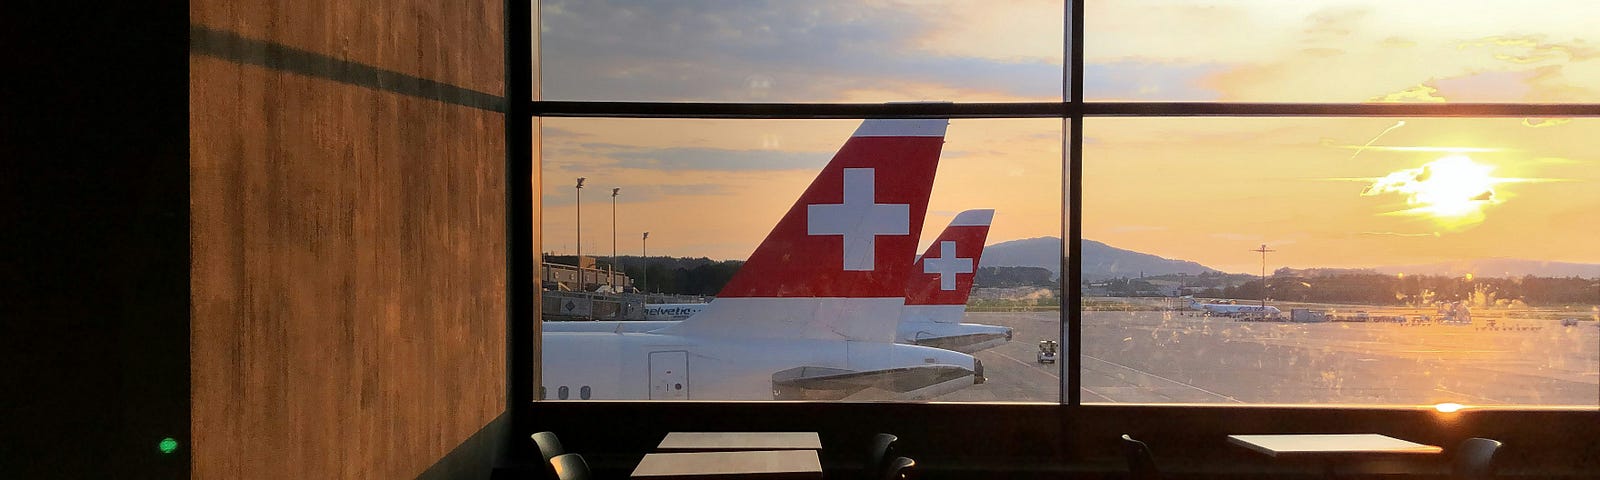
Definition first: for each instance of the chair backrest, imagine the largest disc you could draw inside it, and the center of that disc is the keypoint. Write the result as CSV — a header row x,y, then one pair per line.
x,y
1474,459
570,467
1140,462
549,448
901,468
878,455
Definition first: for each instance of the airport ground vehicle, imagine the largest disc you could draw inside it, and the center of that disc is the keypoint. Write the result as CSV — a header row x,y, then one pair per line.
x,y
1047,351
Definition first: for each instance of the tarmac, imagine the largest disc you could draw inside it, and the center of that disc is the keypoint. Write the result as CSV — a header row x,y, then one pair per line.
x,y
1177,356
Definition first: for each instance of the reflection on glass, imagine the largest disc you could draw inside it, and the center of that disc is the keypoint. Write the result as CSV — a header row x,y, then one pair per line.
x,y
1342,51
813,51
1363,261
630,321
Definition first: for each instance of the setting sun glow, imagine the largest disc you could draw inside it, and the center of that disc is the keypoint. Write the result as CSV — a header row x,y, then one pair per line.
x,y
1452,190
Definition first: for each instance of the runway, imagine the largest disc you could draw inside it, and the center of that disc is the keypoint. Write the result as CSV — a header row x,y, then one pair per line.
x,y
1173,357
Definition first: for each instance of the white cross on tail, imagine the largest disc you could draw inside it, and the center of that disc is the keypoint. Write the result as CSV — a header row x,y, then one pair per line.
x,y
947,265
860,219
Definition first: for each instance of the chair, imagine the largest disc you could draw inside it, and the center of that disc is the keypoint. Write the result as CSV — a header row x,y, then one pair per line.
x,y
1141,463
570,466
901,468
549,448
879,453
1474,459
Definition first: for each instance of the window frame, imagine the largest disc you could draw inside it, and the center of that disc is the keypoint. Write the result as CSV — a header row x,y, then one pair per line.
x,y
525,109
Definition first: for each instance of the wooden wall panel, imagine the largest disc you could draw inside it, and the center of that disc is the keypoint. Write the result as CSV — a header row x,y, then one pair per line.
x,y
458,43
348,276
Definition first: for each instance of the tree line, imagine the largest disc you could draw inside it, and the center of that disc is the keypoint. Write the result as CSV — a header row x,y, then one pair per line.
x,y
1380,289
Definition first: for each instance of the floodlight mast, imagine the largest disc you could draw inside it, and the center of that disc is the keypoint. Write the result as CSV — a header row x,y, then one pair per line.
x,y
1263,250
614,191
579,262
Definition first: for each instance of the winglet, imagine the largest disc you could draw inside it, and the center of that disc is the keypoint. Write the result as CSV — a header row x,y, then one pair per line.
x,y
836,265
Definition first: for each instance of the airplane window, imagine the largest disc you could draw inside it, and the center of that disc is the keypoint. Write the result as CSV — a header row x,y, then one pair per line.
x,y
541,392
1341,260
583,393
1268,51
561,393
815,51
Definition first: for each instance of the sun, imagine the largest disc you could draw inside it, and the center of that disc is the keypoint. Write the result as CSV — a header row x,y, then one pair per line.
x,y
1453,191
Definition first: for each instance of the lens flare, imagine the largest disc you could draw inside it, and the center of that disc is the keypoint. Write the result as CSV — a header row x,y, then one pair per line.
x,y
1453,191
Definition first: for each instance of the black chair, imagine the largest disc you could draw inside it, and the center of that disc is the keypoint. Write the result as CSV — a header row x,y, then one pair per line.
x,y
1474,459
901,468
549,448
879,453
570,467
1141,463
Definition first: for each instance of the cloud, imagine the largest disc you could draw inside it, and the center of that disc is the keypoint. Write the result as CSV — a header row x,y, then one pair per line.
x,y
633,193
764,51
680,159
1149,80
1532,49
1419,94
720,159
1544,122
1398,234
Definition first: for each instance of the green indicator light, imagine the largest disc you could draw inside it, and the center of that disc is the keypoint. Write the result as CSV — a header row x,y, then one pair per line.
x,y
168,445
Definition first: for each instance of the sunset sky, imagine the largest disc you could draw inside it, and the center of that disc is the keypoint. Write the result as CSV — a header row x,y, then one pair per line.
x,y
1201,189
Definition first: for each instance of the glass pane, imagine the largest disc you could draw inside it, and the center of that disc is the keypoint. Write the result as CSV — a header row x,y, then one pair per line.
x,y
822,51
1411,262
708,192
1342,51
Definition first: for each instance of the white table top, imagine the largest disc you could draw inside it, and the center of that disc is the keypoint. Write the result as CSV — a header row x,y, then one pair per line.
x,y
756,464
715,441
1330,444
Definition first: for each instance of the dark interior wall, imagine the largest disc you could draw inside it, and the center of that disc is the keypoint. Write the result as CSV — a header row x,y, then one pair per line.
x,y
93,240
348,231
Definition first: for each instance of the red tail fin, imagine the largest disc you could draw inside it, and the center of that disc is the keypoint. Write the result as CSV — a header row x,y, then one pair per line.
x,y
851,231
943,275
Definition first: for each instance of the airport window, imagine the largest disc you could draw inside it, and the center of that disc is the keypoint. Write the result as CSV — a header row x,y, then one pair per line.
x,y
823,51
1406,226
1447,262
709,192
1340,51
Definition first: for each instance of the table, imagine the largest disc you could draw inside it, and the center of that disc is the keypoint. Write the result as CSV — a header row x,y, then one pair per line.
x,y
1323,445
730,441
749,464
1331,448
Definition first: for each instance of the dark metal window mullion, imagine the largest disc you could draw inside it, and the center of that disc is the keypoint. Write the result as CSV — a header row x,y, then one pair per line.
x,y
1071,272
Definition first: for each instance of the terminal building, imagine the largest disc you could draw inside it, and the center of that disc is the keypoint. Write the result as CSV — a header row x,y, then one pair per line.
x,y
300,240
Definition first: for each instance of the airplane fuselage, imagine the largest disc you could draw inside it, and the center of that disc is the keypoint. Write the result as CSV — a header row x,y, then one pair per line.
x,y
960,337
648,366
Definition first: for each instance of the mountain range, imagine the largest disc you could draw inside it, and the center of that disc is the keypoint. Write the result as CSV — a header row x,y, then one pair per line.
x,y
1101,261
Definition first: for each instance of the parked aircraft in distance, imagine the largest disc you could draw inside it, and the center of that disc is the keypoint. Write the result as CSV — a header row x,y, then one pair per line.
x,y
813,312
1233,310
936,295
941,282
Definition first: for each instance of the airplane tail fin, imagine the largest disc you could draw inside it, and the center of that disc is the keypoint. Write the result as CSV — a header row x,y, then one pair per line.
x,y
836,265
943,275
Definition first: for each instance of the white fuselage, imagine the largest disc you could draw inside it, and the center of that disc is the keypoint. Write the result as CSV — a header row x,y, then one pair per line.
x,y
1231,309
960,337
647,366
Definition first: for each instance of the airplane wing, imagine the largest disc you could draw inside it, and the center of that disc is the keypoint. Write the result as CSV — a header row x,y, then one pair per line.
x,y
903,383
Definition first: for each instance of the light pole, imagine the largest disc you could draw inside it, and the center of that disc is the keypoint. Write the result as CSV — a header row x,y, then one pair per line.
x,y
1263,251
614,191
645,273
580,233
